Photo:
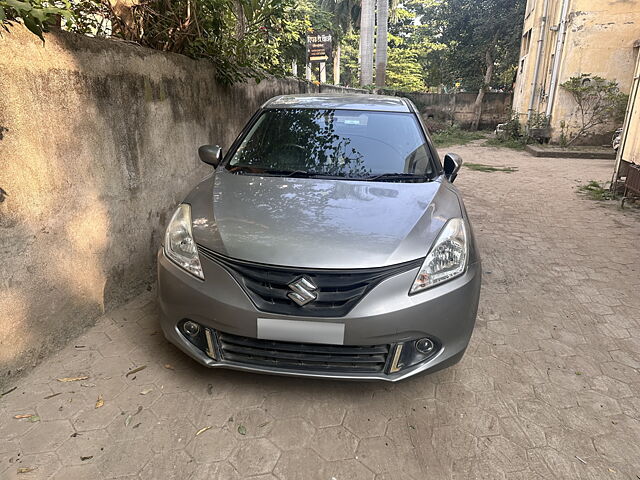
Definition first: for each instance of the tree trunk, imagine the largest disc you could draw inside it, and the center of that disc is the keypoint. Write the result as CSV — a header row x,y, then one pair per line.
x,y
125,24
367,23
381,42
477,108
336,65
240,19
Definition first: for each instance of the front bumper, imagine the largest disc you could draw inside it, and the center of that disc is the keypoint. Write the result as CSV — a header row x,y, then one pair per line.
x,y
386,315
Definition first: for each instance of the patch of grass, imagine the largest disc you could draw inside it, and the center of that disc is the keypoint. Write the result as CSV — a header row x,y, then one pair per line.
x,y
480,167
595,190
455,136
506,143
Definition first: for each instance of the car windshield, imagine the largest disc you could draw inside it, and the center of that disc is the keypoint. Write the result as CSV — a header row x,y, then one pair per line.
x,y
341,144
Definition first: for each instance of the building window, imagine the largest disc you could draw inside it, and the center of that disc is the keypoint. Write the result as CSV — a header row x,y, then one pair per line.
x,y
526,43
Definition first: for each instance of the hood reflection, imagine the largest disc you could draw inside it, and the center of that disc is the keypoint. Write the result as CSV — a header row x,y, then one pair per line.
x,y
318,223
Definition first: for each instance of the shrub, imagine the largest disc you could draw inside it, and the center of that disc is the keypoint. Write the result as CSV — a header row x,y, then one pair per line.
x,y
454,135
598,102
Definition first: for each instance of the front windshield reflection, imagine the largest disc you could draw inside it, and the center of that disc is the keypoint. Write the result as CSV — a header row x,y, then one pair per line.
x,y
334,143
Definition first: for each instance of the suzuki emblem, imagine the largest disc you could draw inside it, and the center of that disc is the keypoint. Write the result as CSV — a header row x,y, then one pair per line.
x,y
303,291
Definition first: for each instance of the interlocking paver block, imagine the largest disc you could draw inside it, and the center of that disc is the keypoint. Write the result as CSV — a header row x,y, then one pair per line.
x,y
176,404
46,436
334,443
213,445
256,422
255,456
124,458
77,472
291,433
292,463
82,447
174,465
551,372
171,434
348,469
365,423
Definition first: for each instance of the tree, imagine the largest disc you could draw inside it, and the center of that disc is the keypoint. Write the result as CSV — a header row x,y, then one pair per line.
x,y
367,23
482,39
382,41
404,72
350,71
599,102
410,31
243,38
345,14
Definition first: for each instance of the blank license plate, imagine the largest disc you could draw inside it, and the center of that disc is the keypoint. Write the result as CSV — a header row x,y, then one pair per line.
x,y
300,331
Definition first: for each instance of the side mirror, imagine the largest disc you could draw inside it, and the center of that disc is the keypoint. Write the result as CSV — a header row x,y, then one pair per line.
x,y
211,154
452,164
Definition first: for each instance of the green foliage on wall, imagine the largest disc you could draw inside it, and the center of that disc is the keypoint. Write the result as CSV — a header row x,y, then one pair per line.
x,y
35,14
598,102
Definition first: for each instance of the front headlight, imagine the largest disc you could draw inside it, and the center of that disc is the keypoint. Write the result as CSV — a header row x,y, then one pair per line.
x,y
447,258
179,244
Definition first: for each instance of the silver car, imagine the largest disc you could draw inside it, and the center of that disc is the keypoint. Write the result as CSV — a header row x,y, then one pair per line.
x,y
328,241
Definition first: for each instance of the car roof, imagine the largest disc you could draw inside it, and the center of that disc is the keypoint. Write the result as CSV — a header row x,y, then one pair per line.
x,y
377,103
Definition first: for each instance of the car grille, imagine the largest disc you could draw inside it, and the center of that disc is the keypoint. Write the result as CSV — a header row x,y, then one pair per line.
x,y
303,356
337,293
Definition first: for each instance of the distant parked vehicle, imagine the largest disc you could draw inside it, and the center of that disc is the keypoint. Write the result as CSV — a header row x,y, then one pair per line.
x,y
328,242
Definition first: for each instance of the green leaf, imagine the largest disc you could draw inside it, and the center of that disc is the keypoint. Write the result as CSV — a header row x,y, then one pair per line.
x,y
17,5
33,26
39,15
2,14
52,11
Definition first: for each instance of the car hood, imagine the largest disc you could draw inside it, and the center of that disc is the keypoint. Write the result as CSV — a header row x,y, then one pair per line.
x,y
319,223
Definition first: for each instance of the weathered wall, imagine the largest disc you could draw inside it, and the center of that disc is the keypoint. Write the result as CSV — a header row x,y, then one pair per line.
x,y
600,40
98,144
458,107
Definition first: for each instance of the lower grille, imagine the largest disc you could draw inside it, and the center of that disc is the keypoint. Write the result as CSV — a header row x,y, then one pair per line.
x,y
303,356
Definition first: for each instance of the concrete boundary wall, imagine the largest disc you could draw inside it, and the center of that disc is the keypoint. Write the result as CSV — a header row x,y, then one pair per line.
x,y
457,108
98,144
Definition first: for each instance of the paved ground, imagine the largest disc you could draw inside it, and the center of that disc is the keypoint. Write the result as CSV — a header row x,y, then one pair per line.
x,y
549,387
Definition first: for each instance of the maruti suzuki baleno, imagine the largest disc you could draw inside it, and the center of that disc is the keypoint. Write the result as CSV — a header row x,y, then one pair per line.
x,y
328,241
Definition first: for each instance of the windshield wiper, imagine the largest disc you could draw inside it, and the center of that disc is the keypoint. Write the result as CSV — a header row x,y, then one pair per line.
x,y
383,177
288,173
397,176
252,170
298,174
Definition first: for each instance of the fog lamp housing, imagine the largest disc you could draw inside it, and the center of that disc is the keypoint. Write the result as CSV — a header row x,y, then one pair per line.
x,y
200,336
425,346
413,352
191,328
